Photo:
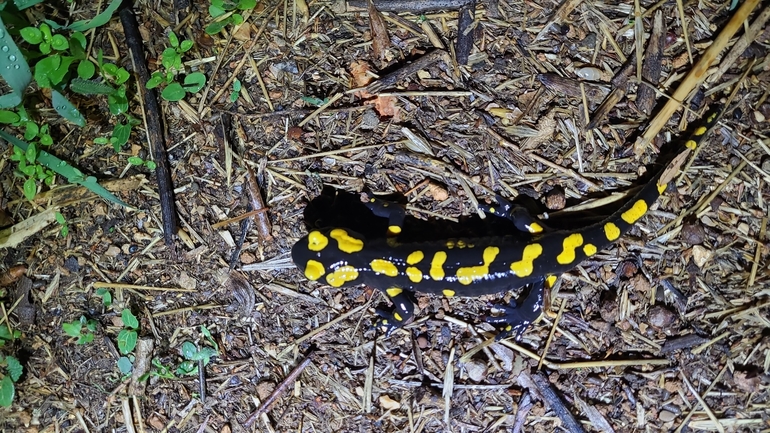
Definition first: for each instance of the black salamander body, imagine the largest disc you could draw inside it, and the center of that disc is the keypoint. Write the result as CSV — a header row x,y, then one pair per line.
x,y
473,266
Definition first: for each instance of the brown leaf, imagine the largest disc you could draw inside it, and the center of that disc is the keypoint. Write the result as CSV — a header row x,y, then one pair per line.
x,y
380,38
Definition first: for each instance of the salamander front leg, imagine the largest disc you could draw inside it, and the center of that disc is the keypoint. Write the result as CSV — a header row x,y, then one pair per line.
x,y
394,212
519,315
401,312
519,215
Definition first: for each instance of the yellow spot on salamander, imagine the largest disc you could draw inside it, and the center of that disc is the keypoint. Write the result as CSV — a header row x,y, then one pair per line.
x,y
393,292
414,274
437,266
611,231
345,242
397,317
415,257
450,244
385,267
525,266
342,275
316,241
466,275
448,293
569,246
314,270
460,243
394,230
691,144
535,228
637,211
700,131
589,249
662,188
550,281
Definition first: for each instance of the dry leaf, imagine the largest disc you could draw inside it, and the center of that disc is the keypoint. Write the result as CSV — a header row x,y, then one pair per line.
x,y
388,403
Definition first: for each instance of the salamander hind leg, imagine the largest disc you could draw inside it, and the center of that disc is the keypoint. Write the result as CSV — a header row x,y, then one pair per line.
x,y
517,214
519,315
401,312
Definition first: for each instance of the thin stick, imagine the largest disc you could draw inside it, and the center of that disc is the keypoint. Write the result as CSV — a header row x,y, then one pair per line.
x,y
279,390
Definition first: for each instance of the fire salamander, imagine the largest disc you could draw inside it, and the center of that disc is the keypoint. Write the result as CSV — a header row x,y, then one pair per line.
x,y
398,266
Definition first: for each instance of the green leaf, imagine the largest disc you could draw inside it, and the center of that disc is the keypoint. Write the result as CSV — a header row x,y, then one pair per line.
x,y
117,101
80,38
46,29
57,76
124,365
247,4
14,368
216,27
31,129
173,40
8,117
204,354
7,392
86,70
129,320
187,368
101,140
85,338
173,92
66,110
126,341
62,168
59,43
236,19
46,139
194,82
65,230
31,153
185,46
5,333
120,135
30,188
105,295
121,76
32,35
215,11
72,329
97,21
60,218
45,47
150,164
189,350
135,160
44,68
155,80
90,87
169,58
91,325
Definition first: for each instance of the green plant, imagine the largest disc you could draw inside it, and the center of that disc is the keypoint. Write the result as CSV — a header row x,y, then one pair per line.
x,y
65,228
224,13
135,160
236,90
161,371
171,59
192,354
6,335
105,295
10,371
128,335
75,329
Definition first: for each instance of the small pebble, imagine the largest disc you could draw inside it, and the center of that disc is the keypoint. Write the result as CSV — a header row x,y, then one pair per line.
x,y
422,341
112,251
476,371
661,318
666,416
